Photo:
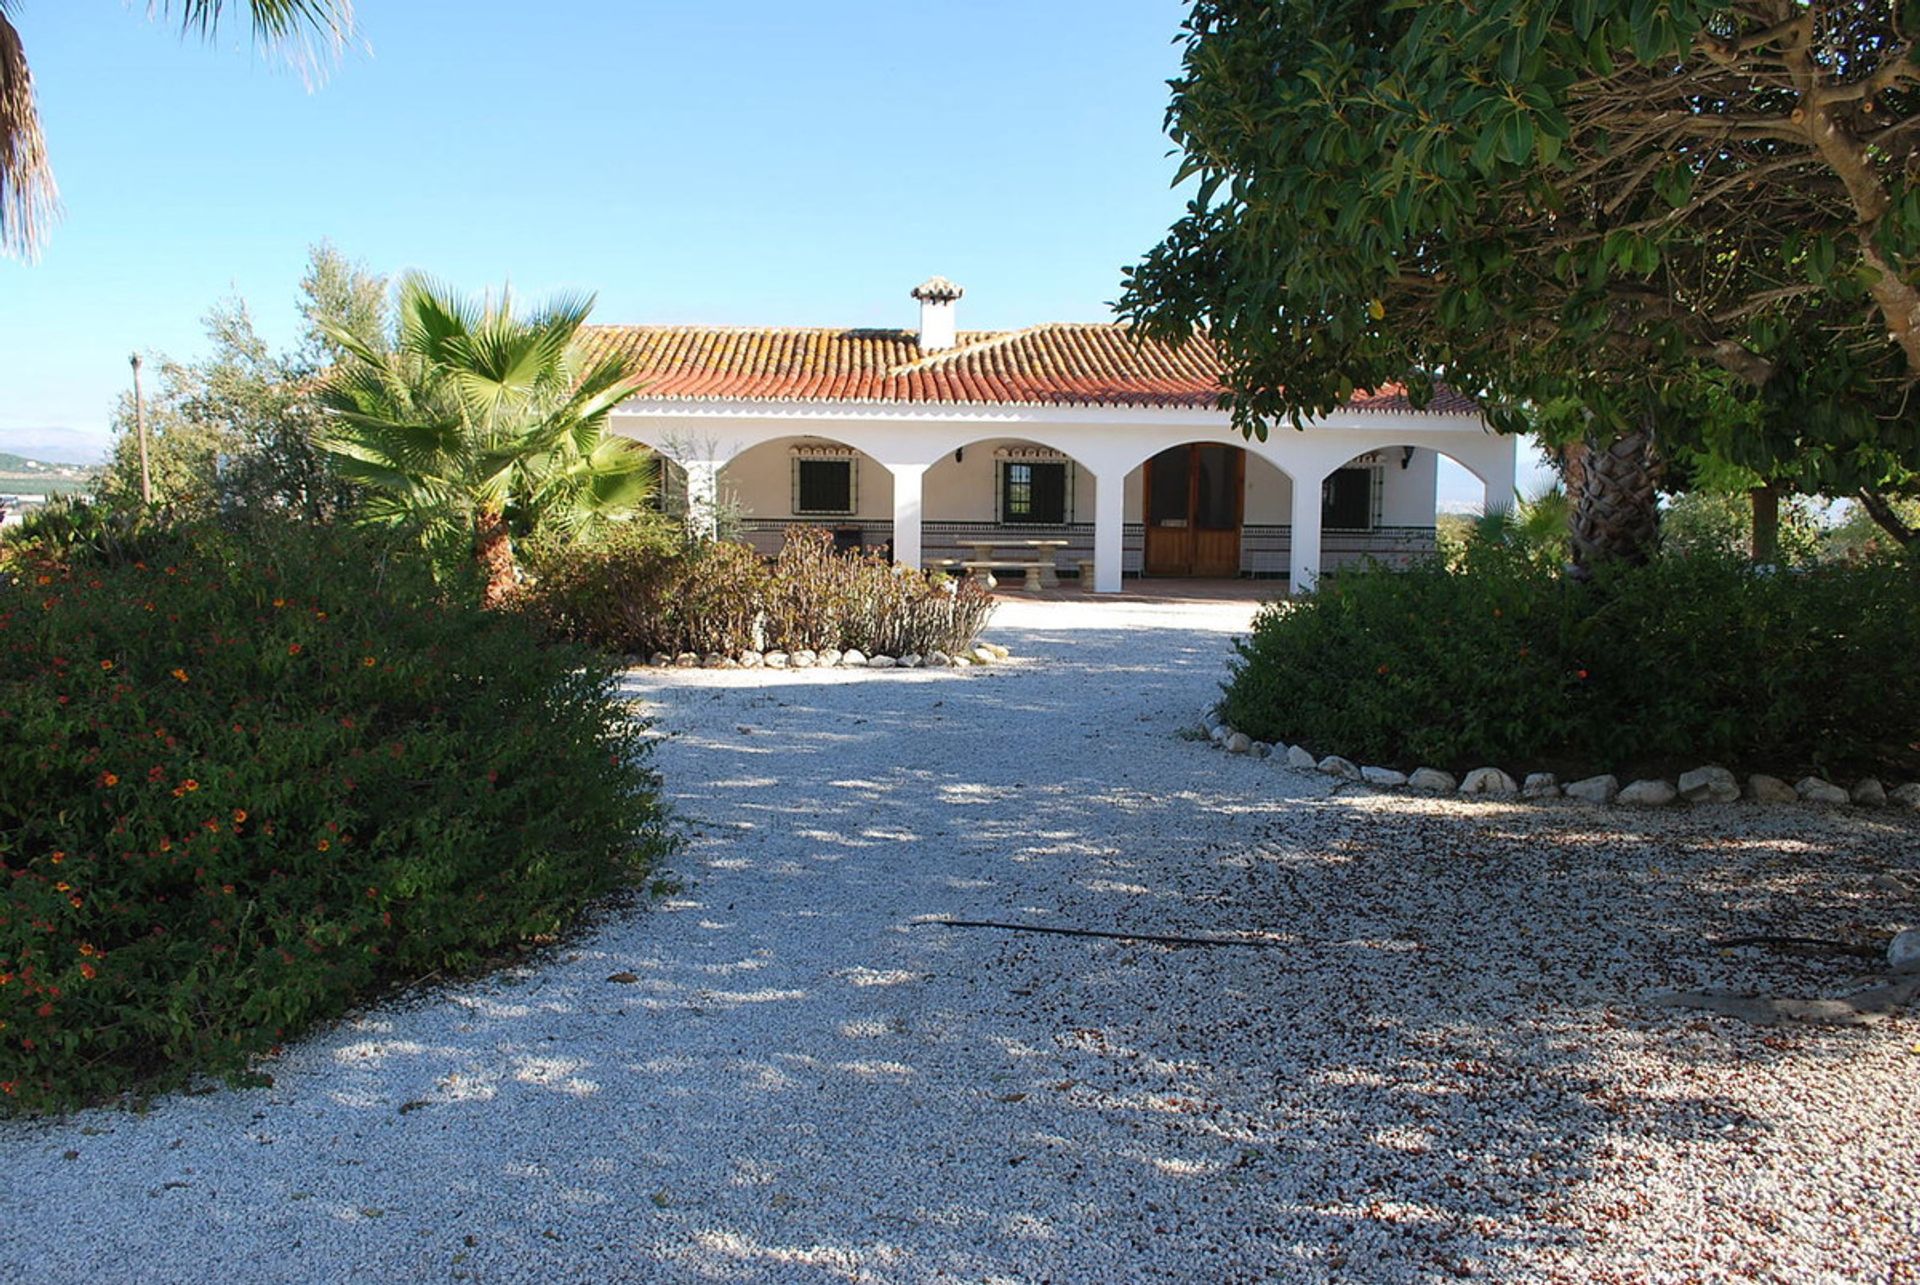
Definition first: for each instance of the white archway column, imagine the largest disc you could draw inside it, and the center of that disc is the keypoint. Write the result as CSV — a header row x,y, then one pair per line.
x,y
907,510
1304,564
703,488
1500,465
1109,528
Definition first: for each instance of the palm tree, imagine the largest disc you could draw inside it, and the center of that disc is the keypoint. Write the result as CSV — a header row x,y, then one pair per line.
x,y
28,197
473,421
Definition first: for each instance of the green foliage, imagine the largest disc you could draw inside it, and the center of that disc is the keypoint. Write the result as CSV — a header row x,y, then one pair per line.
x,y
66,528
472,421
638,591
255,776
1720,525
1685,660
238,427
1856,537
1536,529
1590,215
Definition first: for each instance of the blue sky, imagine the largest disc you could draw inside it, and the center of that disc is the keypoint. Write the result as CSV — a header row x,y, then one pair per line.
x,y
742,163
745,163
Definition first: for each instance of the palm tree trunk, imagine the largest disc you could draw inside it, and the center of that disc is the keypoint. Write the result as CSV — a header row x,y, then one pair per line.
x,y
493,550
1616,513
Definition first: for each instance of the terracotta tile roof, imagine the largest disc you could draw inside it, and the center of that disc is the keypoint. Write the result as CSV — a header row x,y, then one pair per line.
x,y
1061,364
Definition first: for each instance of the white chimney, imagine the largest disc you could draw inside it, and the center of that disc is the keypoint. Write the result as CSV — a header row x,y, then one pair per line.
x,y
938,327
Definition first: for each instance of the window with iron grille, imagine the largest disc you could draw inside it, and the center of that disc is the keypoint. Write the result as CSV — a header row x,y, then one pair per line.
x,y
1349,499
1033,492
823,486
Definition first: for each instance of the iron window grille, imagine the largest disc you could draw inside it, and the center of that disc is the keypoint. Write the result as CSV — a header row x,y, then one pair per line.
x,y
1034,492
1350,499
825,486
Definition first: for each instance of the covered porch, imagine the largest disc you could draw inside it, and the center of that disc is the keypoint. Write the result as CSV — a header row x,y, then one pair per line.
x,y
1161,494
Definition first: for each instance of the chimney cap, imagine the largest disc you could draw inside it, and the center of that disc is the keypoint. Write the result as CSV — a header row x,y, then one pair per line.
x,y
936,290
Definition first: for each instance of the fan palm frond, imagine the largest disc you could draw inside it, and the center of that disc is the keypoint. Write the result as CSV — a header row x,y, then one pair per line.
x,y
475,413
29,199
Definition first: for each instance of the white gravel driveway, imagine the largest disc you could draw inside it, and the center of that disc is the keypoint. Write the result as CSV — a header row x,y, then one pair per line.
x,y
1443,1069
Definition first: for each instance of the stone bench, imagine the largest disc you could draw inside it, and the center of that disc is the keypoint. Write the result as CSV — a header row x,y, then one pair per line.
x,y
984,570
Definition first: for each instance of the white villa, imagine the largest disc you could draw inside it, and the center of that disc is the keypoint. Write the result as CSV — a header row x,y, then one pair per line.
x,y
939,441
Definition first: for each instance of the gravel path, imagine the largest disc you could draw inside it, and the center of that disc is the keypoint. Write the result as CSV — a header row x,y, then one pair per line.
x,y
1440,1069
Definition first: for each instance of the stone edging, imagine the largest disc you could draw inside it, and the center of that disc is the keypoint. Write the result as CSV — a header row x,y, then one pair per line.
x,y
982,653
1701,785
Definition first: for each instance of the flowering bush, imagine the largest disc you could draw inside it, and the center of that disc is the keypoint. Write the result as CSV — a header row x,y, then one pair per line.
x,y
638,594
1685,661
250,778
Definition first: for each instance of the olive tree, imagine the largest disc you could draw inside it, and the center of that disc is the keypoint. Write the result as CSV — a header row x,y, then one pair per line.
x,y
1620,222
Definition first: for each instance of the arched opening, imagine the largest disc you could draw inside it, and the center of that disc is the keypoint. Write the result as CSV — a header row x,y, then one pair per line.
x,y
1384,505
1207,510
805,481
1009,499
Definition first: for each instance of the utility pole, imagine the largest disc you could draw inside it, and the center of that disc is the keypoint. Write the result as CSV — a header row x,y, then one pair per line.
x,y
140,427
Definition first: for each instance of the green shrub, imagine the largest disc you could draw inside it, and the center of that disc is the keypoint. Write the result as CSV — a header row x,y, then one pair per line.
x,y
251,778
639,594
1684,661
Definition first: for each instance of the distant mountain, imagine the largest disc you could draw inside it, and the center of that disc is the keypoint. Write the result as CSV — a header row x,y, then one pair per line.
x,y
70,446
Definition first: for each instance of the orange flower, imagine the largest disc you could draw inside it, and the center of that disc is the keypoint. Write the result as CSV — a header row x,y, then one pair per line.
x,y
45,1010
89,972
293,649
109,780
368,661
227,888
1381,670
105,666
1581,673
58,857
191,784
63,886
323,845
239,815
279,602
77,903
180,674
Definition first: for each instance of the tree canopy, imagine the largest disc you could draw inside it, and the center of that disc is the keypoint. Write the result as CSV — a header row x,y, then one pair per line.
x,y
1591,214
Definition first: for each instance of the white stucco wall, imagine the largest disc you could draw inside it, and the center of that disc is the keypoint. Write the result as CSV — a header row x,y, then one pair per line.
x,y
963,490
760,481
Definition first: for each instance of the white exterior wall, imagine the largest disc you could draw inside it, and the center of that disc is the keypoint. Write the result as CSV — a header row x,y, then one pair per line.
x,y
1269,497
965,490
1407,499
760,481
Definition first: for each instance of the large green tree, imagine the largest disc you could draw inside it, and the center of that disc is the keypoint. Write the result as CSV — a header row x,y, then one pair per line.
x,y
238,426
473,421
1619,221
28,195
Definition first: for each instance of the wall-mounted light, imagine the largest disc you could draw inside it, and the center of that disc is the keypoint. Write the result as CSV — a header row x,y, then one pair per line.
x,y
1406,456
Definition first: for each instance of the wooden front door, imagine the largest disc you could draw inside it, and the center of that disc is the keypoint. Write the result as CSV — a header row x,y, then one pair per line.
x,y
1192,497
